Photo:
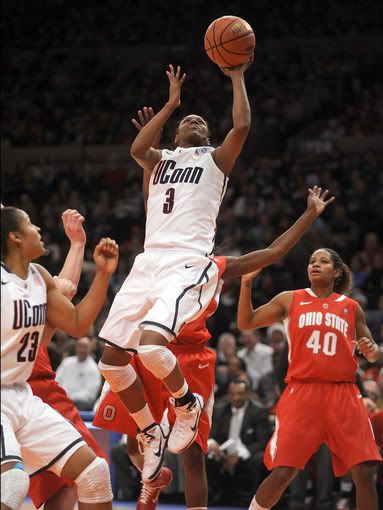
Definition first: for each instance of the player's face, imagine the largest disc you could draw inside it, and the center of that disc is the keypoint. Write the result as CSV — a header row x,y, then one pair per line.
x,y
192,131
321,269
30,238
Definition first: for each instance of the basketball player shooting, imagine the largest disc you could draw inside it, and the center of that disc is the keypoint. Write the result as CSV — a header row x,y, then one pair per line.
x,y
174,280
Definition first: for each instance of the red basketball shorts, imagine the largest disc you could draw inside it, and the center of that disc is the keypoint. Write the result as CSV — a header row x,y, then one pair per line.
x,y
46,484
309,414
197,364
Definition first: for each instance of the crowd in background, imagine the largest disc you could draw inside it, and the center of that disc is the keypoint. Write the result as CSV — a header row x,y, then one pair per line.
x,y
71,80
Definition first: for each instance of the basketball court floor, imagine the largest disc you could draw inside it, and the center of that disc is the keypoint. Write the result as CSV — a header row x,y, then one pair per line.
x,y
131,506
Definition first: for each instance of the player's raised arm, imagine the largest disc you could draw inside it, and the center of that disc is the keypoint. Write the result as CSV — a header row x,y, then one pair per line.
x,y
69,276
265,315
142,149
144,116
226,154
76,320
316,204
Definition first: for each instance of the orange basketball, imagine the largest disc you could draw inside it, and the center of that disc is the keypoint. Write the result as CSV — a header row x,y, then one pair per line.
x,y
229,41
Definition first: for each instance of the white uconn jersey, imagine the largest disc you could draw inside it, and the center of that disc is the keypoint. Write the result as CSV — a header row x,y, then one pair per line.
x,y
23,316
185,192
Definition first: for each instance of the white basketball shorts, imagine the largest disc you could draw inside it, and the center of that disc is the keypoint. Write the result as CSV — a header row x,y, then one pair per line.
x,y
161,293
33,433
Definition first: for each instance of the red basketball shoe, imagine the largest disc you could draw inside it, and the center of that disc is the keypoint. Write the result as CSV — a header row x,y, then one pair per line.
x,y
150,491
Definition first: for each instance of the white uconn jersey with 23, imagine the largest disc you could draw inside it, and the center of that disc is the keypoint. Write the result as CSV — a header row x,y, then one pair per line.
x,y
185,193
23,316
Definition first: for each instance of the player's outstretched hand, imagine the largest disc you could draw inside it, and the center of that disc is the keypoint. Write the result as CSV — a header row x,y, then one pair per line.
x,y
144,116
176,80
237,70
368,348
72,223
105,255
316,200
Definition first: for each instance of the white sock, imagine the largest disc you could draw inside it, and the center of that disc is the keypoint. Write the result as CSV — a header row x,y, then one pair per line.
x,y
255,506
182,391
143,417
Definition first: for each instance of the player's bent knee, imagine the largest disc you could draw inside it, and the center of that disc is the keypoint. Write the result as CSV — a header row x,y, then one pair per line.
x,y
119,378
284,475
14,486
159,360
93,484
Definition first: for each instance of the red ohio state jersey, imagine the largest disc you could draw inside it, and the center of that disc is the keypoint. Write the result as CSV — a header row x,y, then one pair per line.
x,y
196,332
42,368
321,334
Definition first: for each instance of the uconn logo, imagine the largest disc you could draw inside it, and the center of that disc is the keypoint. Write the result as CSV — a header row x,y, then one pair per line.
x,y
167,172
26,315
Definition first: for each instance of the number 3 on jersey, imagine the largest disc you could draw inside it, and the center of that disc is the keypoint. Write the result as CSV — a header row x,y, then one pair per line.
x,y
169,202
329,343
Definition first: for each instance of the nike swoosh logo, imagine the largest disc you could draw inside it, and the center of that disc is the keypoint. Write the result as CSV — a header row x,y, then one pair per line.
x,y
194,427
3,283
159,452
305,302
188,267
203,366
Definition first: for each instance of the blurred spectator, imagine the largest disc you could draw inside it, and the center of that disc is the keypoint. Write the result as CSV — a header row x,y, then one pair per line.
x,y
236,370
239,434
257,355
80,377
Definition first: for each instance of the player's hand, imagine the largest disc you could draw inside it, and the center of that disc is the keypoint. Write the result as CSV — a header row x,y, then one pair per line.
x,y
248,279
176,80
316,200
144,116
66,287
105,255
72,223
231,72
368,348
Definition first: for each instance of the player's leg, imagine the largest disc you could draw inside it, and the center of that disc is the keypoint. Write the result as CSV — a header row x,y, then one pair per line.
x,y
92,478
298,434
14,479
365,483
65,499
196,487
351,441
163,364
14,485
150,491
123,381
272,488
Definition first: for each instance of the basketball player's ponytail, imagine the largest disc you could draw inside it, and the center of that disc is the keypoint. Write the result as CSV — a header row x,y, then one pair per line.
x,y
343,283
10,222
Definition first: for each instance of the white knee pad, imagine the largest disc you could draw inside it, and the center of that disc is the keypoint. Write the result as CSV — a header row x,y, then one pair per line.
x,y
159,360
119,378
93,485
14,487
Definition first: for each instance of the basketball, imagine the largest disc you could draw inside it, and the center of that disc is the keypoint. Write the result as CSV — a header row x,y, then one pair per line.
x,y
229,41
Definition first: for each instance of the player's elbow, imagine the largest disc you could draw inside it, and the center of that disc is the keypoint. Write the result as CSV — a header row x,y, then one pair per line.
x,y
244,323
78,330
242,128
